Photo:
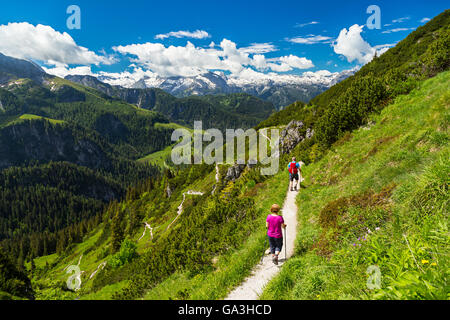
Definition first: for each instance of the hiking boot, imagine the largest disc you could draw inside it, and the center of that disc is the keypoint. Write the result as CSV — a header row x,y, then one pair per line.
x,y
295,188
292,189
275,260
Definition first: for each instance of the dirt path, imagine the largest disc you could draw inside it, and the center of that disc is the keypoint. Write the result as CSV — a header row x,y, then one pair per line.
x,y
101,265
180,207
149,227
253,286
217,179
277,153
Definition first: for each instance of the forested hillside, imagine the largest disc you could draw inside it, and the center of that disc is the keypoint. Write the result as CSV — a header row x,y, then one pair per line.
x,y
238,110
68,151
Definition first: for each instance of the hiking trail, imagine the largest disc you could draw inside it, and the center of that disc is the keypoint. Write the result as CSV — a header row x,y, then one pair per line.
x,y
217,179
149,227
180,207
253,285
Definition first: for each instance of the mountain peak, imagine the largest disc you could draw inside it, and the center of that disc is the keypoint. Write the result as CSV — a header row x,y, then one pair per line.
x,y
18,68
281,90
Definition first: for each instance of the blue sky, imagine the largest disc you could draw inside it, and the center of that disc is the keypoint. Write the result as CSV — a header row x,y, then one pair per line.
x,y
303,32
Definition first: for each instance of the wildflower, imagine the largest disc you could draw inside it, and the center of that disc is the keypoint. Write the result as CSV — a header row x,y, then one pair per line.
x,y
425,261
354,244
377,228
369,231
434,264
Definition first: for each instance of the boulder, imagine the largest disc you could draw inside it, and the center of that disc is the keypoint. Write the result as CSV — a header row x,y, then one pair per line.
x,y
234,172
168,191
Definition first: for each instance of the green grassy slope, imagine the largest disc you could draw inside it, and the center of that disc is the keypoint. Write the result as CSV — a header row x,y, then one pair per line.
x,y
391,178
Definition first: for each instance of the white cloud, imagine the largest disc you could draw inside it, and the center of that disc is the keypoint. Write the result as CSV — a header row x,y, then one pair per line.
x,y
281,64
62,70
400,20
197,34
125,78
397,30
297,62
311,39
26,41
259,62
190,60
423,20
352,46
170,61
301,25
282,67
257,48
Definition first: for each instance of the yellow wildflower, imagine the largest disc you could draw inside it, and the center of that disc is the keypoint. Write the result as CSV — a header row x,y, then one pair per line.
x,y
434,264
425,261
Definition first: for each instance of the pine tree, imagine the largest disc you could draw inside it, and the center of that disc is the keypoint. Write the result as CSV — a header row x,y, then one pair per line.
x,y
117,231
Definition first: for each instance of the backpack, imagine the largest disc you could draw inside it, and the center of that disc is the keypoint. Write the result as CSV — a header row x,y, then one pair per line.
x,y
293,168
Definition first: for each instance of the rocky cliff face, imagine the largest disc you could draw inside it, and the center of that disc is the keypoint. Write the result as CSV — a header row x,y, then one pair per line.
x,y
291,136
234,172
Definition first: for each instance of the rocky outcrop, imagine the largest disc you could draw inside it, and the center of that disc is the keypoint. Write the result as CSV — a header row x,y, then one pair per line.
x,y
234,172
291,136
168,191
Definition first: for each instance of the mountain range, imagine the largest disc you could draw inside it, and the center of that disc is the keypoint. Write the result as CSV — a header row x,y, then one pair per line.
x,y
281,90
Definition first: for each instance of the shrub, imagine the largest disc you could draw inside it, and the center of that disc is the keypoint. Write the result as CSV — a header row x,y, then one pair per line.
x,y
126,254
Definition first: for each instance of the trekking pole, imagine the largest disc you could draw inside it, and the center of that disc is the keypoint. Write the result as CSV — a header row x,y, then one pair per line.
x,y
285,241
264,251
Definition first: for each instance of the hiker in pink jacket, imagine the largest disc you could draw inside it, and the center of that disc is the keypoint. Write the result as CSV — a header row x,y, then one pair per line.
x,y
274,223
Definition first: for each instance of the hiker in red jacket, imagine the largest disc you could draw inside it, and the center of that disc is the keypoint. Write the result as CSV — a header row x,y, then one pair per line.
x,y
294,169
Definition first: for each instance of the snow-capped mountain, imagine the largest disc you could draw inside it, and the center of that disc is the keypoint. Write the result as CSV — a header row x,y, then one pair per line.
x,y
281,90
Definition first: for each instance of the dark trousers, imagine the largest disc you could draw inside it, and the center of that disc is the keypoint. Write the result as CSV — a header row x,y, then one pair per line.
x,y
275,244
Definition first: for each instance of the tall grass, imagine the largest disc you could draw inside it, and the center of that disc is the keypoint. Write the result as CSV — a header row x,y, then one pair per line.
x,y
407,147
